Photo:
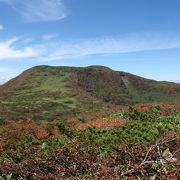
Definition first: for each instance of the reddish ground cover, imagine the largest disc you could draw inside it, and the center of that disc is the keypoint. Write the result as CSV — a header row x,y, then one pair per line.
x,y
129,162
166,108
101,123
13,132
133,161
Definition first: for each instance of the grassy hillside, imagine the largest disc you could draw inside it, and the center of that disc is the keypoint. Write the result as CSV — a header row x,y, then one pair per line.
x,y
74,123
53,93
43,93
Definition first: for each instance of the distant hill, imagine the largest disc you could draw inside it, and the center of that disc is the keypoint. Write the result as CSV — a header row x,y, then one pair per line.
x,y
46,92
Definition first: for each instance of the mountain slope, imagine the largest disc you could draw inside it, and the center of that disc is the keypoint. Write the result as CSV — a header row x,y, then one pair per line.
x,y
52,93
121,87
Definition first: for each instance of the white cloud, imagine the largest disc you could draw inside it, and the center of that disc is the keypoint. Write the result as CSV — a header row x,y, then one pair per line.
x,y
48,37
7,51
1,27
110,45
52,48
39,10
7,74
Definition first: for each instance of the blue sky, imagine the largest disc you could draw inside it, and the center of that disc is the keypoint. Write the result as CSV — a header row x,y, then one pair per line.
x,y
137,36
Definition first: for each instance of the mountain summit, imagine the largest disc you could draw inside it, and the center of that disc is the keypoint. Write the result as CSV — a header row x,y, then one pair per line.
x,y
56,91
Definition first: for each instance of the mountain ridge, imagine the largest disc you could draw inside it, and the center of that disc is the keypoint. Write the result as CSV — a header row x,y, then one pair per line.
x,y
60,91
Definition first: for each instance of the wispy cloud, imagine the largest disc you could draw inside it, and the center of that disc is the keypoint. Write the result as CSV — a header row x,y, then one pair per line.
x,y
48,37
111,45
7,50
39,10
52,49
1,27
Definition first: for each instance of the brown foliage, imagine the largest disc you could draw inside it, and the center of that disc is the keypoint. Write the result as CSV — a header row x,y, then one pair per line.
x,y
12,133
101,123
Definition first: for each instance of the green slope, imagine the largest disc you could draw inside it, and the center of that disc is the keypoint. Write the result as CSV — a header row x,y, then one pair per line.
x,y
43,93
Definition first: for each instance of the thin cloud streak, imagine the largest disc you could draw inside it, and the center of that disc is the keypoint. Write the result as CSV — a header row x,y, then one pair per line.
x,y
52,49
38,10
48,37
110,45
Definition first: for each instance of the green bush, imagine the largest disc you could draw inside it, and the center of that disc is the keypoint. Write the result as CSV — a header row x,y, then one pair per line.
x,y
156,108
10,177
134,114
61,127
140,128
118,115
82,120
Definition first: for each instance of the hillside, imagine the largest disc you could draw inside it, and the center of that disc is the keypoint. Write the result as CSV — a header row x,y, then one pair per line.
x,y
47,93
124,88
76,123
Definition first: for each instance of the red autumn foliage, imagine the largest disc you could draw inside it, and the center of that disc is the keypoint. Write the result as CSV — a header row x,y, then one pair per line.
x,y
12,133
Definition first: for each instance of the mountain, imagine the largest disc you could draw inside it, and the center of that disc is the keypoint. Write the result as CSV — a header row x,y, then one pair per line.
x,y
50,93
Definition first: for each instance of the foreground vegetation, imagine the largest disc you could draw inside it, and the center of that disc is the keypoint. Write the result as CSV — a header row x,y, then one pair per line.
x,y
145,146
77,123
